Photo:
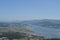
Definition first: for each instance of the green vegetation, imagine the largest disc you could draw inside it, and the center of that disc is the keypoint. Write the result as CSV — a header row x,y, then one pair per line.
x,y
22,36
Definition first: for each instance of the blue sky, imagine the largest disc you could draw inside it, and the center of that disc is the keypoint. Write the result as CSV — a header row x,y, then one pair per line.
x,y
29,9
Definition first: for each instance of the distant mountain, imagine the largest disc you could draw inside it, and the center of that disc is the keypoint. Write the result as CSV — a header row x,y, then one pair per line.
x,y
43,23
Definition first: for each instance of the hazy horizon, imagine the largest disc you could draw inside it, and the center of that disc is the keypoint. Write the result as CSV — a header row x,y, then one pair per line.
x,y
11,10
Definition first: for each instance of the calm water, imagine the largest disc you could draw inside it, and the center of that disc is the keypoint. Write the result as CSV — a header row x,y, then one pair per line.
x,y
46,32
